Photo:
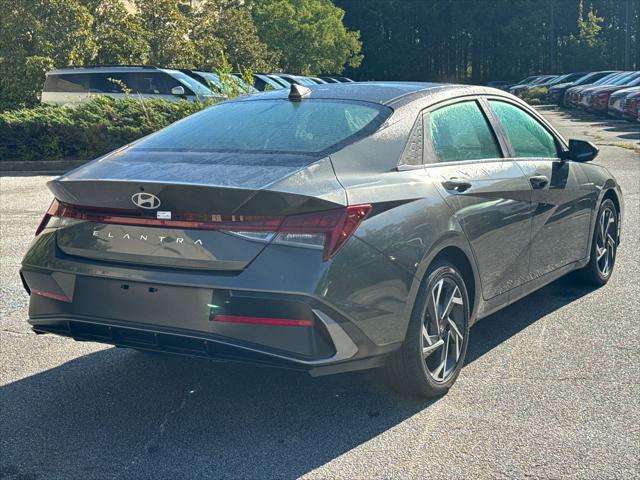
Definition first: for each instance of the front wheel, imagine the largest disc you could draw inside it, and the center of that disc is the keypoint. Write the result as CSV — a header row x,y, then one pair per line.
x,y
604,246
433,352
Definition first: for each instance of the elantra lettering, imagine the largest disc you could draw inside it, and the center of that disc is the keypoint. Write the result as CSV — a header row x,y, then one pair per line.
x,y
144,238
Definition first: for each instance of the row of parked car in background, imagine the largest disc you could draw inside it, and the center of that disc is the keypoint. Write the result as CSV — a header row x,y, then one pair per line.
x,y
616,93
74,85
612,92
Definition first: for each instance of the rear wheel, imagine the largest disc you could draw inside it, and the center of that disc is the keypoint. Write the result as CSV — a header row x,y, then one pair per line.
x,y
604,246
434,349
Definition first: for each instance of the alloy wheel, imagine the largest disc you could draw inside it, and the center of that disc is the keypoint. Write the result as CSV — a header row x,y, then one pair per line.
x,y
442,337
606,241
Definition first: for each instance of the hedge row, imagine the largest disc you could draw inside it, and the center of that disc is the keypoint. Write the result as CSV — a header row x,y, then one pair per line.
x,y
535,96
84,132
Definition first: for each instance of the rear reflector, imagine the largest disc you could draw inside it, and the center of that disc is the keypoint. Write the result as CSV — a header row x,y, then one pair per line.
x,y
328,230
291,322
52,295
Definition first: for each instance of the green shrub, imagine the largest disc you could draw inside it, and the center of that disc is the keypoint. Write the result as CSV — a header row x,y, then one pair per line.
x,y
535,96
87,131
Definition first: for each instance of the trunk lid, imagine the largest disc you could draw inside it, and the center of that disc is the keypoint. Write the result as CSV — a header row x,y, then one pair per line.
x,y
192,210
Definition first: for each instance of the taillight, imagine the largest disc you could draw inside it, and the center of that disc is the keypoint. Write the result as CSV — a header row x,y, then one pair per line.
x,y
192,221
329,230
53,208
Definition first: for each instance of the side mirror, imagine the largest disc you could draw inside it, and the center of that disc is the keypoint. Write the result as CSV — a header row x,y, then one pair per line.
x,y
179,90
581,150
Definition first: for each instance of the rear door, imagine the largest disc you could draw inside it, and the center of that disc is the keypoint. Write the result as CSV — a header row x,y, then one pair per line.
x,y
562,195
488,193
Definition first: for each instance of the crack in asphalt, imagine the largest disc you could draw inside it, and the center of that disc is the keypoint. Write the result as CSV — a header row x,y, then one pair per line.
x,y
151,446
15,332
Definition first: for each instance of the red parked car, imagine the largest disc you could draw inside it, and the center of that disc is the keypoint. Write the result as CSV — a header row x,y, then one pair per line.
x,y
631,107
617,100
572,95
597,100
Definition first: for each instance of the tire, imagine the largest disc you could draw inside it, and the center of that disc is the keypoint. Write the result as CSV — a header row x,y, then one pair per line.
x,y
416,368
600,267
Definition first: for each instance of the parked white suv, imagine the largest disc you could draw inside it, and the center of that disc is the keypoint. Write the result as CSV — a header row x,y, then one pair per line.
x,y
74,85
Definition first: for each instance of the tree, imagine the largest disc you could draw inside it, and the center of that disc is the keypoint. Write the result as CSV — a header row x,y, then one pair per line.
x,y
167,31
36,35
585,50
309,35
119,36
223,31
479,40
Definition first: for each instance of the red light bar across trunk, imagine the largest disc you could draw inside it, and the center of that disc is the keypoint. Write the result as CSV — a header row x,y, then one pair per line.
x,y
291,322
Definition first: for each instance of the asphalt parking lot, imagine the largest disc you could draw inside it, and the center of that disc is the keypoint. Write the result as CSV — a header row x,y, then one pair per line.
x,y
551,387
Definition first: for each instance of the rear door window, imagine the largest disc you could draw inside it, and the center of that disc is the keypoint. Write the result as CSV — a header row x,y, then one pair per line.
x,y
104,83
461,132
146,83
528,137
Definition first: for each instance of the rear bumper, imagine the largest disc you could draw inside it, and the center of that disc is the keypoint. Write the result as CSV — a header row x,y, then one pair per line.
x,y
330,344
174,310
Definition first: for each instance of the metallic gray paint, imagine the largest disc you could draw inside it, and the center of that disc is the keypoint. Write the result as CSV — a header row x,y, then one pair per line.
x,y
515,238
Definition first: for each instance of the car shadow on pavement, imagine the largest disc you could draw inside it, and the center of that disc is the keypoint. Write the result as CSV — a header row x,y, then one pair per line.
x,y
123,414
504,324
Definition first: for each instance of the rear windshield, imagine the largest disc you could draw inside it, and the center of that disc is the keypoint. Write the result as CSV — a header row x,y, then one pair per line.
x,y
275,125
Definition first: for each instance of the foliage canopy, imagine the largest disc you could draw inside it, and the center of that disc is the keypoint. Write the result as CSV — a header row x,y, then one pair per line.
x,y
302,36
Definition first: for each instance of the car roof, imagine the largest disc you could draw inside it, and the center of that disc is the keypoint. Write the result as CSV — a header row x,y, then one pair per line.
x,y
108,68
384,93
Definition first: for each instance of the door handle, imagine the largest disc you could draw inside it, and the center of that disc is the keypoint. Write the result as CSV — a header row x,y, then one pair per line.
x,y
539,181
457,184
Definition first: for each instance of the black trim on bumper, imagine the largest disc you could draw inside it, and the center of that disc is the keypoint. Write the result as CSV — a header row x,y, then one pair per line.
x,y
188,344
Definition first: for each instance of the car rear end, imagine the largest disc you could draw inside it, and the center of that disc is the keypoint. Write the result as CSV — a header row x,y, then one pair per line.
x,y
617,101
614,105
572,96
584,97
631,107
225,253
235,287
598,101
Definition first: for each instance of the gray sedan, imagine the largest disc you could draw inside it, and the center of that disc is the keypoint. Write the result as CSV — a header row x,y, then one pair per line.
x,y
330,228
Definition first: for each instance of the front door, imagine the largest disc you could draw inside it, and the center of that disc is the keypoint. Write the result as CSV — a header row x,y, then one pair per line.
x,y
489,194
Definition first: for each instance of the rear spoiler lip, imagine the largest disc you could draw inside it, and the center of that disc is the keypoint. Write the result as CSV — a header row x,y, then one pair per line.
x,y
192,198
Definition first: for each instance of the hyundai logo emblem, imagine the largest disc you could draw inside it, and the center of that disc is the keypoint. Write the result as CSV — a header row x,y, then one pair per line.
x,y
148,201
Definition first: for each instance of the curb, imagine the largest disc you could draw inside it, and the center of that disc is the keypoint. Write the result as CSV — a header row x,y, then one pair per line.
x,y
46,167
